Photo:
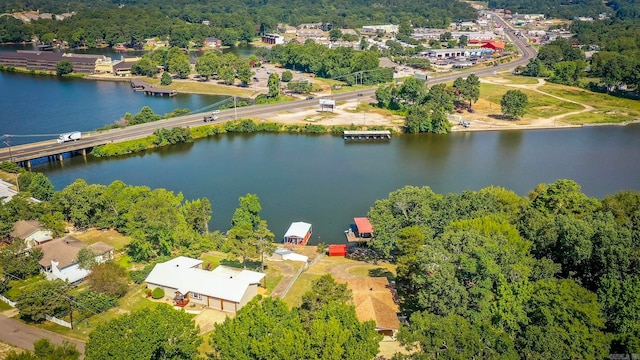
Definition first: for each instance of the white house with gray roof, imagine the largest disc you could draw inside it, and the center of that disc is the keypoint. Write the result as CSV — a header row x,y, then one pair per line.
x,y
224,288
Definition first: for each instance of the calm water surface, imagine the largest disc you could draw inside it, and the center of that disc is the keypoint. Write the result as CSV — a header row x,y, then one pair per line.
x,y
327,181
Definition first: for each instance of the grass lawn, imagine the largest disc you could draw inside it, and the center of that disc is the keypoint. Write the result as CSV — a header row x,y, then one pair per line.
x,y
608,109
211,87
17,285
205,348
214,258
8,177
343,86
109,237
301,286
4,306
540,105
512,79
381,270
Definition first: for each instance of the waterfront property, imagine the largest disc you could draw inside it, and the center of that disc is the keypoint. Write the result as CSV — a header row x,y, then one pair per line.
x,y
47,61
298,233
286,254
223,288
374,299
31,231
60,258
360,231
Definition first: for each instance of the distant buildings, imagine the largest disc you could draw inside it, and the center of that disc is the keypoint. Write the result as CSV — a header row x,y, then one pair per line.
x,y
46,61
28,16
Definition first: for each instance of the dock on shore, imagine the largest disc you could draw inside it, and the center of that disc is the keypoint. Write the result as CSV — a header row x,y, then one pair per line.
x,y
147,89
367,135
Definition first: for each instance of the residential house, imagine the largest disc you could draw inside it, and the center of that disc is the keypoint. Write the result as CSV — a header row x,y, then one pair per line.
x,y
60,258
375,299
31,231
213,42
224,288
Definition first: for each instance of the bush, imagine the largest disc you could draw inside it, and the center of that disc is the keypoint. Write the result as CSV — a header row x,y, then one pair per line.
x,y
158,293
138,276
91,302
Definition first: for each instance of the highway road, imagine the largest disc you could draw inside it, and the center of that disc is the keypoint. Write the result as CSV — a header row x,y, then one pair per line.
x,y
51,147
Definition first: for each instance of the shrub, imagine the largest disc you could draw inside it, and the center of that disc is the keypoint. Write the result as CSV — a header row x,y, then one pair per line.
x,y
91,303
158,293
138,276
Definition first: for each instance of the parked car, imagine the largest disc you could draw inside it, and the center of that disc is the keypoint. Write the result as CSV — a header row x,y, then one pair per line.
x,y
459,111
471,110
309,97
359,94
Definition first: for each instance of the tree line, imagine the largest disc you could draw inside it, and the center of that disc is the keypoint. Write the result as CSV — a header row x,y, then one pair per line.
x,y
490,274
230,21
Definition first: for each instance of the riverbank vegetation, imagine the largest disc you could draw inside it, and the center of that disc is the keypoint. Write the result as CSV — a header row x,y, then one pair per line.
x,y
184,135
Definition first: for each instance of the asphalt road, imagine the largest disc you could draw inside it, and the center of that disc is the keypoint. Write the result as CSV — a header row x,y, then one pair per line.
x,y
50,147
23,336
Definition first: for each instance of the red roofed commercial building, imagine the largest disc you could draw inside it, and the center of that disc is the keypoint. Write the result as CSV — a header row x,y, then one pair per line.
x,y
496,46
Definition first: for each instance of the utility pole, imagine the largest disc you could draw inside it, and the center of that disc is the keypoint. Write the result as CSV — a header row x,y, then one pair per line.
x,y
70,299
235,109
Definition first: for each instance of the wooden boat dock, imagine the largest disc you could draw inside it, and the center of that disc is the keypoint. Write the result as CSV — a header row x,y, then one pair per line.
x,y
367,135
359,232
147,89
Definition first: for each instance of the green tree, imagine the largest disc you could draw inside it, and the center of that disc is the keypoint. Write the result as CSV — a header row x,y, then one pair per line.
x,y
19,262
207,64
108,278
620,301
241,242
145,67
248,211
324,290
440,99
263,238
43,298
514,104
287,76
334,35
45,350
156,333
472,89
90,303
179,64
64,67
227,74
463,41
197,213
243,70
412,90
165,80
273,85
86,258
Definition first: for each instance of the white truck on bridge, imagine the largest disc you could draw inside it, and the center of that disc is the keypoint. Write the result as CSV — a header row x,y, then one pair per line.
x,y
71,136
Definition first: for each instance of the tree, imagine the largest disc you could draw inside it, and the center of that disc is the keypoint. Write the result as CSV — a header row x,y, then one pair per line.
x,y
439,98
472,89
145,67
243,70
45,350
108,278
64,67
463,40
514,103
179,64
334,35
87,258
248,211
43,298
156,333
207,64
287,76
197,213
264,241
324,290
273,85
242,243
165,80
227,74
412,90
18,262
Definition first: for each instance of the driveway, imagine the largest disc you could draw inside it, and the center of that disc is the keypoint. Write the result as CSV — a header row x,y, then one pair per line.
x,y
23,336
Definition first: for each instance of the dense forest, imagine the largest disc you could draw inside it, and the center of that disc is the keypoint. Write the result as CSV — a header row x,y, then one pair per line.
x,y
494,275
229,20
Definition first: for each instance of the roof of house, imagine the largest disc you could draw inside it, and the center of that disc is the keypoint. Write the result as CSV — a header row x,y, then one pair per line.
x,y
287,254
299,229
23,228
363,225
373,300
65,251
223,282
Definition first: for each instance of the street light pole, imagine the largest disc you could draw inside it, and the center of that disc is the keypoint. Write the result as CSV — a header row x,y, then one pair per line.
x,y
8,142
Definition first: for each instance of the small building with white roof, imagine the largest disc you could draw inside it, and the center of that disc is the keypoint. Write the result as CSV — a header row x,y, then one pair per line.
x,y
224,288
298,233
286,254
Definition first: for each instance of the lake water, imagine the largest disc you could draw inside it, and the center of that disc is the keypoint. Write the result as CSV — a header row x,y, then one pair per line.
x,y
327,181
